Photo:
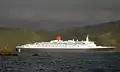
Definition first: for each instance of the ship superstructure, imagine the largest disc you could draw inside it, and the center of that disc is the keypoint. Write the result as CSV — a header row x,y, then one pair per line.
x,y
60,44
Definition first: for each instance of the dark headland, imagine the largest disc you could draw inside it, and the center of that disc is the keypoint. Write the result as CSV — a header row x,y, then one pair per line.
x,y
107,34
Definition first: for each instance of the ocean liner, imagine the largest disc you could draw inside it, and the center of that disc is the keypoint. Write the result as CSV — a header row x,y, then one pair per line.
x,y
63,46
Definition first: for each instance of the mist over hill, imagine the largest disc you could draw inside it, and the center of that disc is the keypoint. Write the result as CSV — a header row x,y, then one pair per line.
x,y
40,24
103,34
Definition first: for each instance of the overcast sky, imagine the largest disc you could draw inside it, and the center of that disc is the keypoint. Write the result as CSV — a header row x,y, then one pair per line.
x,y
61,11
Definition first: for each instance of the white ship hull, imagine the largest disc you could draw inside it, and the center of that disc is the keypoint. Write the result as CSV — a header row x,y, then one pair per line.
x,y
37,50
58,51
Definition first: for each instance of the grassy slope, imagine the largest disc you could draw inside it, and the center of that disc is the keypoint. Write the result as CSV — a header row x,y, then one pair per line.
x,y
9,38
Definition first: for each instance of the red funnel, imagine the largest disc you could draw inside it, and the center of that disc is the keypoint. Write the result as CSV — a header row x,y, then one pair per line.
x,y
58,38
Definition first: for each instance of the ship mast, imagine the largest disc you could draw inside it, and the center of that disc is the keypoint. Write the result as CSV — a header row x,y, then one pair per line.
x,y
87,38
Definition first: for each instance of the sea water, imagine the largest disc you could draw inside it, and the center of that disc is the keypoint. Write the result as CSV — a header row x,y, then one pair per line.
x,y
72,62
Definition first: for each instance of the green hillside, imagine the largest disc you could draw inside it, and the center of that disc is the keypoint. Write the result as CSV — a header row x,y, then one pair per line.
x,y
102,34
9,38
